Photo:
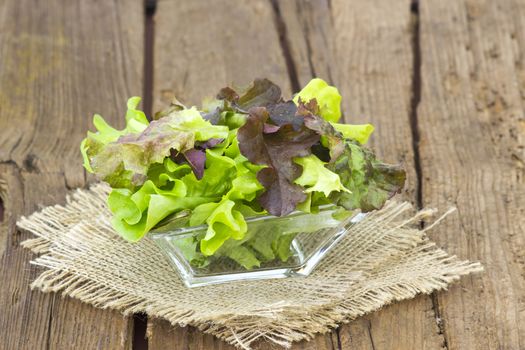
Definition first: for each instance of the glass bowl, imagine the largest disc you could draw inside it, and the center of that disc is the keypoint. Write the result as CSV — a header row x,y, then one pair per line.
x,y
303,239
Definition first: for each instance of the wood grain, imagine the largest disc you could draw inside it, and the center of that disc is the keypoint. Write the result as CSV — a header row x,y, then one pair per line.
x,y
201,46
472,126
60,62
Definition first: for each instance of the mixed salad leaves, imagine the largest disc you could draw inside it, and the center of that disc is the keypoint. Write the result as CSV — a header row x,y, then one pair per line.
x,y
246,152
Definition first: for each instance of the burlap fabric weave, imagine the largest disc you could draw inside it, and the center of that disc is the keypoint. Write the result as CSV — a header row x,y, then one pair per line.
x,y
383,258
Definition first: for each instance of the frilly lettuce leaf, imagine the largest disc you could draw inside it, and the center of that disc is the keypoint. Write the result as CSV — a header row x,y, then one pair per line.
x,y
134,214
328,98
171,187
196,157
191,120
370,181
244,256
135,118
225,219
217,178
124,160
331,139
224,222
316,177
285,113
276,151
360,133
136,122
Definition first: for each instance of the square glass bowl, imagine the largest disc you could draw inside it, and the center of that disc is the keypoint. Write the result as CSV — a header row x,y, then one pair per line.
x,y
304,239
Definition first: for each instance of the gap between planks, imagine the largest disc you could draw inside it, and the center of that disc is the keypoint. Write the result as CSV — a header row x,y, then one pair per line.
x,y
150,6
414,124
140,321
284,41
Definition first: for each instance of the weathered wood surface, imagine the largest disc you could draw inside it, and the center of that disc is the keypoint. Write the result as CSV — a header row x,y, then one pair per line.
x,y
202,45
59,63
451,77
472,126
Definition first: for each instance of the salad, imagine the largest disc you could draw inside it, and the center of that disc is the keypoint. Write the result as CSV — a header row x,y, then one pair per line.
x,y
245,153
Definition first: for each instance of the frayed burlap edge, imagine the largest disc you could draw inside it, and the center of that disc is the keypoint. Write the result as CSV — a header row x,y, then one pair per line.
x,y
409,264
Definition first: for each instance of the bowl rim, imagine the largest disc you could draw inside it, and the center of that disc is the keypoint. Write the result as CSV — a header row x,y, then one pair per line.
x,y
164,230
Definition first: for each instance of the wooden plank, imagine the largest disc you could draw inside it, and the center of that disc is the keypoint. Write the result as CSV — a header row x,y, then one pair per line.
x,y
365,48
472,126
60,62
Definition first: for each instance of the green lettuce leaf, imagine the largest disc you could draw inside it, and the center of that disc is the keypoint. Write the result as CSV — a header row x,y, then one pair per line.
x,y
217,179
360,133
316,177
171,188
136,213
370,181
124,162
244,256
328,98
224,222
136,122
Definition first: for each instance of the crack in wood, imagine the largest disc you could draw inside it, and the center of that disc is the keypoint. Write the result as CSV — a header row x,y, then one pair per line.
x,y
416,137
49,323
416,99
439,320
2,205
140,321
29,164
140,325
150,6
369,329
338,335
285,46
306,35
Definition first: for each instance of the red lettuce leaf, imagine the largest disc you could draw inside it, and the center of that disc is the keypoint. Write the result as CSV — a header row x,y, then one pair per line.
x,y
307,114
333,139
276,150
208,144
213,116
285,113
270,128
195,157
260,93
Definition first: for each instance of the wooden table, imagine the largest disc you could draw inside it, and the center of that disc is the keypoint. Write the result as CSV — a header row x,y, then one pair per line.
x,y
442,80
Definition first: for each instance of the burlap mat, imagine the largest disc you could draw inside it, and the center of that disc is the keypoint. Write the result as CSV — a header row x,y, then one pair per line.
x,y
382,259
